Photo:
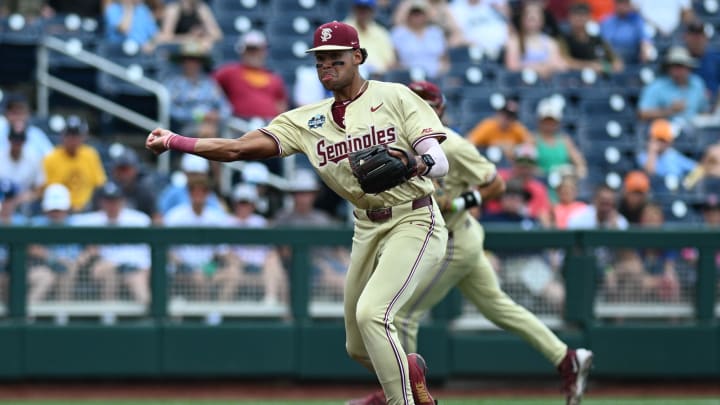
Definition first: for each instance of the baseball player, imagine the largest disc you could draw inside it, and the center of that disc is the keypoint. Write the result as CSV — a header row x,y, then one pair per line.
x,y
400,235
466,266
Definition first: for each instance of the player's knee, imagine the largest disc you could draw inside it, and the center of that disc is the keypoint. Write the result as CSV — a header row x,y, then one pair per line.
x,y
365,316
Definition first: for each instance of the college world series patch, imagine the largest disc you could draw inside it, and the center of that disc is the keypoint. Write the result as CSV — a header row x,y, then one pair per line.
x,y
316,121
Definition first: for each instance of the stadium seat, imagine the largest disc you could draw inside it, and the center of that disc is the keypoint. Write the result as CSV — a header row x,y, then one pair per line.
x,y
608,130
232,24
483,103
283,9
291,48
249,8
464,75
608,156
131,57
300,25
17,30
522,80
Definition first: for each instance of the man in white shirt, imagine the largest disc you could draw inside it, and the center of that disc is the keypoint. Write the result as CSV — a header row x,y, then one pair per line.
x,y
16,118
24,166
260,266
665,15
112,264
196,267
482,23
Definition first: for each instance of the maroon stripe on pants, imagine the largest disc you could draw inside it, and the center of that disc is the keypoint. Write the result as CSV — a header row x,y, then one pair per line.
x,y
397,296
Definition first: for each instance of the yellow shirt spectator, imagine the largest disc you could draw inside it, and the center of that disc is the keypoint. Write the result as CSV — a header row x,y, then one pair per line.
x,y
375,38
75,165
490,132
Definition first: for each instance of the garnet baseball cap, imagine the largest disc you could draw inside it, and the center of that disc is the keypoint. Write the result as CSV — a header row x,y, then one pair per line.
x,y
335,36
428,92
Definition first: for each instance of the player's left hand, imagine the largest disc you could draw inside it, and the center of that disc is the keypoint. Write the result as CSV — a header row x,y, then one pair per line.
x,y
420,166
156,140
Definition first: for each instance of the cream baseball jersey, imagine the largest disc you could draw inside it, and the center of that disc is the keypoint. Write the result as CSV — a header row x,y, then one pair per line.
x,y
385,113
468,168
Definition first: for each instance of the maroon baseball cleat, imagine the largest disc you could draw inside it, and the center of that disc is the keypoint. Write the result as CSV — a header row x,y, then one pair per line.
x,y
574,369
376,398
418,369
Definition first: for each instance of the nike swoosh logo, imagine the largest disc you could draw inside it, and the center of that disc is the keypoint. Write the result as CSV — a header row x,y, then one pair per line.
x,y
373,109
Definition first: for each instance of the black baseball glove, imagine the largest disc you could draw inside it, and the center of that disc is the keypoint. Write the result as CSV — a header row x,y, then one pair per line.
x,y
377,170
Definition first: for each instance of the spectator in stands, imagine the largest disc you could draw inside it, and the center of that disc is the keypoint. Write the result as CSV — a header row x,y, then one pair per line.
x,y
503,129
524,168
568,203
374,37
75,164
116,265
635,196
138,186
83,8
625,32
196,99
30,9
530,48
260,267
131,20
24,166
513,207
665,15
197,266
419,43
190,21
556,149
707,171
17,119
252,89
678,95
550,24
483,24
329,263
710,209
176,193
53,263
708,60
585,50
660,158
647,274
602,214
439,14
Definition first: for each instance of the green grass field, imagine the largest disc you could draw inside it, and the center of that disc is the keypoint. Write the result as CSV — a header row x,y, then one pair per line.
x,y
486,401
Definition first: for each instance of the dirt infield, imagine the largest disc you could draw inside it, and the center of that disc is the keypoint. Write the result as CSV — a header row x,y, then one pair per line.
x,y
240,390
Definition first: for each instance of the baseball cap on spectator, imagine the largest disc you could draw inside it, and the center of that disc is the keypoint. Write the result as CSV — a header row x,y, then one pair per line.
x,y
525,154
662,129
75,125
510,107
56,197
428,92
127,158
549,108
695,27
255,172
251,39
365,3
245,193
14,100
679,55
420,5
111,191
194,164
335,36
304,180
637,181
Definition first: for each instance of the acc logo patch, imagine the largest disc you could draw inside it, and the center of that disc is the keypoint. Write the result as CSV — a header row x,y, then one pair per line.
x,y
316,121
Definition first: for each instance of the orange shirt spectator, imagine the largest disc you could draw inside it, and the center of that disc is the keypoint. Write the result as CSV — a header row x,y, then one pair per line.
x,y
503,130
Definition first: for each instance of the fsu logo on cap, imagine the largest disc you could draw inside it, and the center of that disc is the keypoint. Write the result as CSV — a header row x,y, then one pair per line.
x,y
325,34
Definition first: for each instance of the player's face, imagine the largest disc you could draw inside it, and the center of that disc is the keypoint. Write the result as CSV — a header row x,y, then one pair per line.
x,y
336,69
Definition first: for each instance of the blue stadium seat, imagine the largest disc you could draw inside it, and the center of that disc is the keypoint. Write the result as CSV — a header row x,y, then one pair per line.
x,y
284,9
290,48
609,130
16,30
299,25
464,75
612,104
117,53
522,80
251,9
608,156
579,81
476,108
232,24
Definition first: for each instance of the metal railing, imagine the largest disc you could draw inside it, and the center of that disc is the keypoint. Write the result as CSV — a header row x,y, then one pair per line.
x,y
73,49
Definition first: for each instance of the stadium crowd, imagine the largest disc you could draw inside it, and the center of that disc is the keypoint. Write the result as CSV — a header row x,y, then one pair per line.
x,y
598,113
